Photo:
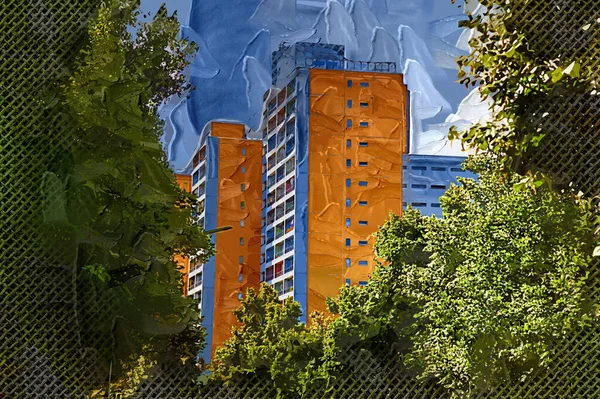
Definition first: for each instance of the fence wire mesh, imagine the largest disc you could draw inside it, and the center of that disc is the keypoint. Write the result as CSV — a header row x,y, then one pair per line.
x,y
51,345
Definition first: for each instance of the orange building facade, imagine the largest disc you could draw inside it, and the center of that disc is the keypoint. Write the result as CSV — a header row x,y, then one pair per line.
x,y
225,175
357,136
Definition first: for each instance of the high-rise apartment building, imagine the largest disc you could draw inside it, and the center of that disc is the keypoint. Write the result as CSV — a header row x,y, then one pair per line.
x,y
225,175
335,132
303,200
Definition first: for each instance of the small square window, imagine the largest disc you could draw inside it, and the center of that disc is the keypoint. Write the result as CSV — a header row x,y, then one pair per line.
x,y
242,205
363,243
347,262
363,263
363,223
243,151
348,163
242,187
363,203
363,144
347,281
364,105
364,84
349,103
242,241
348,182
363,183
347,202
241,260
347,242
349,123
363,163
348,143
347,222
349,84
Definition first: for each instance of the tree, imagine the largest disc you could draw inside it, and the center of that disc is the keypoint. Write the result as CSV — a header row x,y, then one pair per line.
x,y
112,202
480,294
540,70
271,341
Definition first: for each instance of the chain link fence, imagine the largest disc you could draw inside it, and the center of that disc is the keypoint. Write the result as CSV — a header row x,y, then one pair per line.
x,y
52,343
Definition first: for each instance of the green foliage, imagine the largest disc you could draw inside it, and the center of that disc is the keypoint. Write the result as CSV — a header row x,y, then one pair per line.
x,y
271,341
526,77
478,296
112,201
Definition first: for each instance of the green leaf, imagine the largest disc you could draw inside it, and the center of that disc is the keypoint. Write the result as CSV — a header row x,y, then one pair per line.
x,y
573,69
557,75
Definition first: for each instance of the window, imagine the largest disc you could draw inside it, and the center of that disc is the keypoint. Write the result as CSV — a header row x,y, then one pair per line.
x,y
364,84
288,285
363,263
348,181
362,283
289,245
278,269
438,186
347,281
291,87
244,151
243,169
363,203
347,262
348,163
364,105
348,143
240,296
363,223
241,260
348,242
347,202
363,144
279,288
281,97
289,225
289,205
272,105
242,241
347,222
290,165
242,223
242,205
270,236
364,124
242,187
363,243
240,278
349,103
349,84
363,183
364,163
289,264
349,123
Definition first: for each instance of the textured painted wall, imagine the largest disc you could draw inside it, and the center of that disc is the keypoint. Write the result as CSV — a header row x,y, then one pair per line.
x,y
236,37
357,138
238,249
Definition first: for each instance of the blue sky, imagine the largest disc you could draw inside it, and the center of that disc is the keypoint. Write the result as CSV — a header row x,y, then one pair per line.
x,y
181,6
